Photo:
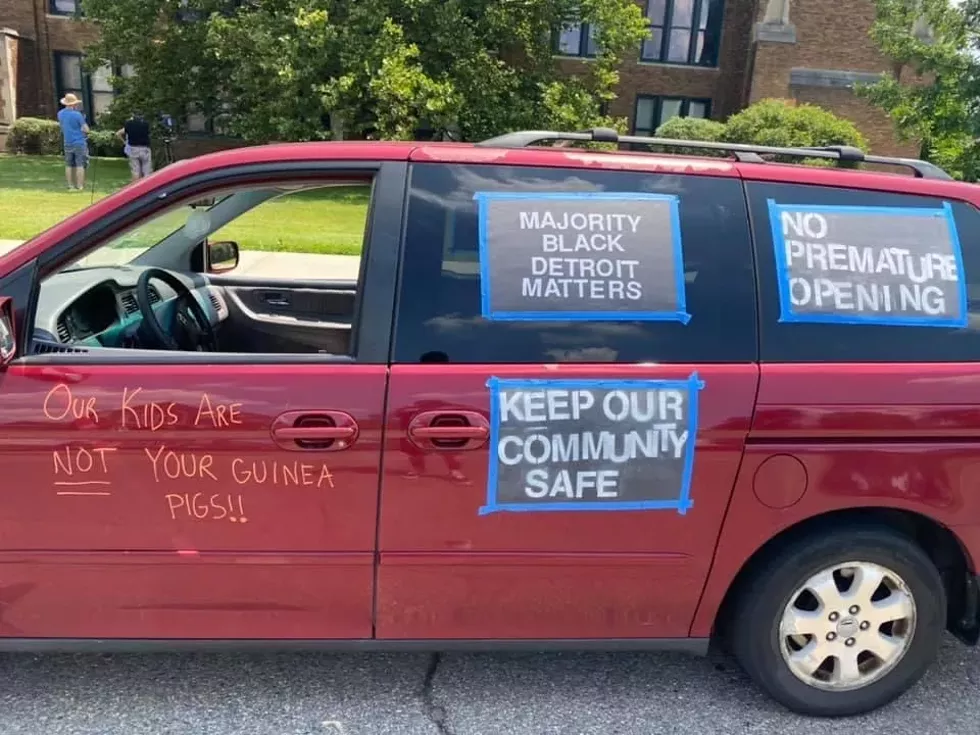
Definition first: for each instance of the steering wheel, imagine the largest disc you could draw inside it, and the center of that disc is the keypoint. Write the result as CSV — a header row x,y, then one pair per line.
x,y
194,331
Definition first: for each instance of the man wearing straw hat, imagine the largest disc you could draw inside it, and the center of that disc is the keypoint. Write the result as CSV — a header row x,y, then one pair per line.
x,y
74,130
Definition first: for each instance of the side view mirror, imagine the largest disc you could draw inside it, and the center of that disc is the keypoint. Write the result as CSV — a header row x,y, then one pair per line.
x,y
222,256
8,339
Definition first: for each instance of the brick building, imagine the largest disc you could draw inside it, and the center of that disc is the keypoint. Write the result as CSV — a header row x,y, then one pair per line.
x,y
706,58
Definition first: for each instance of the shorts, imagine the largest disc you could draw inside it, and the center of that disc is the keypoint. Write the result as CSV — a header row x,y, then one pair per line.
x,y
76,156
140,160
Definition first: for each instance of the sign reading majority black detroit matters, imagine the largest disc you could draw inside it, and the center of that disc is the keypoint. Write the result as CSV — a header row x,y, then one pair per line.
x,y
588,255
869,265
565,445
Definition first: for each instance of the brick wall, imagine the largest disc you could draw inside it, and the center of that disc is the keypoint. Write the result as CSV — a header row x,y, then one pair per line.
x,y
722,84
41,35
830,36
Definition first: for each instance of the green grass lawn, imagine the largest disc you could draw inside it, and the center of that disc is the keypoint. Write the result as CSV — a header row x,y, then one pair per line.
x,y
34,196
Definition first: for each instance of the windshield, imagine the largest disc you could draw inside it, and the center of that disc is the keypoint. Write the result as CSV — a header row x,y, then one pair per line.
x,y
133,243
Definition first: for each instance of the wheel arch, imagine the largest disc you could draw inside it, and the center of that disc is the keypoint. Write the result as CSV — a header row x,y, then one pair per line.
x,y
944,548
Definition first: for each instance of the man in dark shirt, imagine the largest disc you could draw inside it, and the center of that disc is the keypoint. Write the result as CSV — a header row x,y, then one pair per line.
x,y
136,134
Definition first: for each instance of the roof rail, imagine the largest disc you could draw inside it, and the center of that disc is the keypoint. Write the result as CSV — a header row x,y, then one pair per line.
x,y
741,152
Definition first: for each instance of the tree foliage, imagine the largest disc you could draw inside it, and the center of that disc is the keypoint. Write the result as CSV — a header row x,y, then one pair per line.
x,y
932,92
280,69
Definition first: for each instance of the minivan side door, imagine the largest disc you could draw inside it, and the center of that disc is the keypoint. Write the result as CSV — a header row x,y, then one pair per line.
x,y
187,495
556,468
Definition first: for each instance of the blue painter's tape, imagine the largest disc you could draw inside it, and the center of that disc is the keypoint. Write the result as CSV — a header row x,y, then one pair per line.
x,y
680,314
682,503
787,314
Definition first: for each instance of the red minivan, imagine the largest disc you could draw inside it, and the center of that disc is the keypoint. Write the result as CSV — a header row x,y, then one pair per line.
x,y
563,398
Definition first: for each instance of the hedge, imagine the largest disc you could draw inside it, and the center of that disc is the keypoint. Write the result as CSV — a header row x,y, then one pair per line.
x,y
693,128
34,136
783,123
40,137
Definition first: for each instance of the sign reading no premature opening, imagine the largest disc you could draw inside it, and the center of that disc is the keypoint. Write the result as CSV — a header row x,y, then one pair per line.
x,y
568,445
868,265
594,256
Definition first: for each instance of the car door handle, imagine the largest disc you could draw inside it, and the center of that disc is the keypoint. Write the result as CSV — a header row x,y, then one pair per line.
x,y
314,431
449,430
275,299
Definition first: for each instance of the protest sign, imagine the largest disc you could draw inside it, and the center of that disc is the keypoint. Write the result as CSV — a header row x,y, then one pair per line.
x,y
597,445
868,265
595,256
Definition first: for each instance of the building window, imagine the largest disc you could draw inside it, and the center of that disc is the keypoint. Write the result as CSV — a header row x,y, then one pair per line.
x,y
683,32
94,89
576,39
652,112
64,7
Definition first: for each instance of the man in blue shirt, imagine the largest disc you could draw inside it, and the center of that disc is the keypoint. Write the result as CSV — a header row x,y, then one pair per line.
x,y
74,130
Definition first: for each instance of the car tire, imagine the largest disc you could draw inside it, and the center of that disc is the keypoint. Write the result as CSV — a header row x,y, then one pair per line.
x,y
804,586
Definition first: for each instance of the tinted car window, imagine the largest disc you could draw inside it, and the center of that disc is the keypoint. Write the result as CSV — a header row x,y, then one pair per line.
x,y
783,341
439,308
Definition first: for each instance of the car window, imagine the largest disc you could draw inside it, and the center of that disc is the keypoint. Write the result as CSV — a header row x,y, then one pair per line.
x,y
134,242
866,276
326,221
441,304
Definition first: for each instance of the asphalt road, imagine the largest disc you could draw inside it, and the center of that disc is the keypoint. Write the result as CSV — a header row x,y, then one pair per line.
x,y
459,694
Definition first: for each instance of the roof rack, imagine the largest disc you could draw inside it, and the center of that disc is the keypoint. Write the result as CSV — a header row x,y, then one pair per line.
x,y
741,152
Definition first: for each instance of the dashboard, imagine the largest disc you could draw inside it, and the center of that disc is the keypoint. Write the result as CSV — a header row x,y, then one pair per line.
x,y
98,307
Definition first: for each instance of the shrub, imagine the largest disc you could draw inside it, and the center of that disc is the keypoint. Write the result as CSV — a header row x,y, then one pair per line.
x,y
105,143
692,128
34,136
784,123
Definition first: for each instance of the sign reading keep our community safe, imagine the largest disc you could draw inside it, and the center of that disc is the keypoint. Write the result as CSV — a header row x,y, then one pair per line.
x,y
594,256
869,265
591,445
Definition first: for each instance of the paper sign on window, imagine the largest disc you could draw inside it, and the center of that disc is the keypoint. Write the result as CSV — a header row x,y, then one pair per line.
x,y
592,256
868,265
591,445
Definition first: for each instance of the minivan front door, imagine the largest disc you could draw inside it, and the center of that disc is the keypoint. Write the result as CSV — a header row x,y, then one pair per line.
x,y
185,495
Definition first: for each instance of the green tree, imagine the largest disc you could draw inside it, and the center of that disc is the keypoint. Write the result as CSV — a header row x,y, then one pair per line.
x,y
383,68
932,92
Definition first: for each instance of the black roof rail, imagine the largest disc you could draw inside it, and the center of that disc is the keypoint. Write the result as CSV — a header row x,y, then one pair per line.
x,y
742,152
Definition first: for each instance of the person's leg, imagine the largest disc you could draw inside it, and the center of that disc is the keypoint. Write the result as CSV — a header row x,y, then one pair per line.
x,y
147,157
134,164
82,161
70,166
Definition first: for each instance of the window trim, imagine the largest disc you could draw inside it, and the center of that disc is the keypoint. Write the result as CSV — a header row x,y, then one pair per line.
x,y
710,29
658,101
585,34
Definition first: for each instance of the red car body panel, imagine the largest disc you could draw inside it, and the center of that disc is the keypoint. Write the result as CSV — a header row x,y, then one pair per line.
x,y
396,557
119,461
446,572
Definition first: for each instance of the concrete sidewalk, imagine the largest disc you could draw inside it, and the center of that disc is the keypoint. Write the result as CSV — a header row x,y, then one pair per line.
x,y
258,264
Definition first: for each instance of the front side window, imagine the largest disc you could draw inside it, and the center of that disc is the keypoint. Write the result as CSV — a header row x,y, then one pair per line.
x,y
440,314
847,275
653,111
284,262
683,32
